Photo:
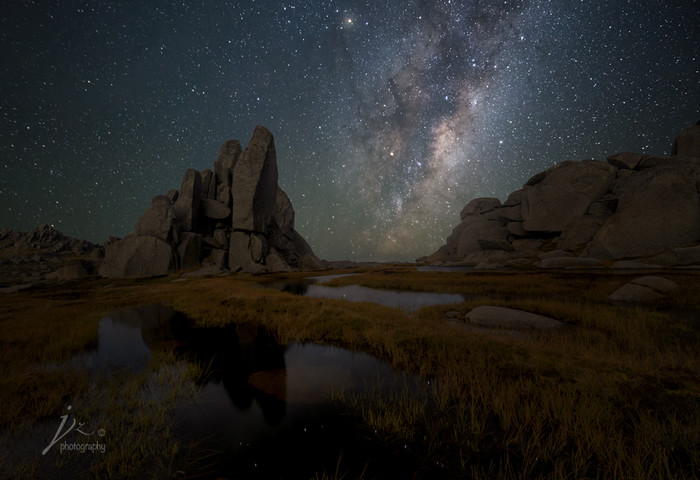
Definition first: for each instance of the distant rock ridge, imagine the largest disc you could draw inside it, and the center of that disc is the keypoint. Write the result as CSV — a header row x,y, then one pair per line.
x,y
43,239
590,213
44,254
235,217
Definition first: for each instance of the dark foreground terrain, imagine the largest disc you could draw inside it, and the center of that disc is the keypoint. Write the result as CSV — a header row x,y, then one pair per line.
x,y
613,393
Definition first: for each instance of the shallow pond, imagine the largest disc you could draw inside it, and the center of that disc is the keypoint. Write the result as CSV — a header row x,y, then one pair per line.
x,y
443,268
408,301
265,409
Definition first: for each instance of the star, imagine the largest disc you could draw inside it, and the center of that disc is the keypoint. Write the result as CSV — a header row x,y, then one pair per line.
x,y
379,109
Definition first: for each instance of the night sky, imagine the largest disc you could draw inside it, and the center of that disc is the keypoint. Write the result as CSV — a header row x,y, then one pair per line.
x,y
388,116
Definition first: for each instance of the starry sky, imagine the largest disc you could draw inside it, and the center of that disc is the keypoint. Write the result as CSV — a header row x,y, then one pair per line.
x,y
388,116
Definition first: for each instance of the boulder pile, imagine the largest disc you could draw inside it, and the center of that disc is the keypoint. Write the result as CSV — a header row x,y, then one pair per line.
x,y
235,217
590,213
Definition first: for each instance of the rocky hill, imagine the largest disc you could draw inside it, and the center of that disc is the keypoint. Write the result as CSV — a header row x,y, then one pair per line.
x,y
235,217
27,257
633,210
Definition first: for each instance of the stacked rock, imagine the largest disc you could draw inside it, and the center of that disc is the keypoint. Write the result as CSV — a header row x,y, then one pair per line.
x,y
236,217
583,213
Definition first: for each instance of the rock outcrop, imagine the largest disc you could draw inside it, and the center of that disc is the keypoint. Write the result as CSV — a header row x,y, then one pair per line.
x,y
44,254
43,239
500,317
633,207
235,217
649,289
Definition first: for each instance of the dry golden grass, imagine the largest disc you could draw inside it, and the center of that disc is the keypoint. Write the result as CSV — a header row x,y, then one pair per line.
x,y
616,395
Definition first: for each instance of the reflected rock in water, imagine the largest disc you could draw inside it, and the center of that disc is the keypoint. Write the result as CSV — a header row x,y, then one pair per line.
x,y
127,337
263,409
408,301
311,387
299,287
232,353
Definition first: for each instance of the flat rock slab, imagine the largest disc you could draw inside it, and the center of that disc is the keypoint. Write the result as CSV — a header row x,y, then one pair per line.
x,y
647,289
631,293
658,284
501,317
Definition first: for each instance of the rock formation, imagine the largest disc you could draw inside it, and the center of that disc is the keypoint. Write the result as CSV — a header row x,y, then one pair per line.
x,y
649,289
44,254
234,217
588,213
501,317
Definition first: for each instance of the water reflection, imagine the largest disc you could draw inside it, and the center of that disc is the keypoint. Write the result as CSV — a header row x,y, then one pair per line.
x,y
408,301
233,354
444,268
264,408
127,337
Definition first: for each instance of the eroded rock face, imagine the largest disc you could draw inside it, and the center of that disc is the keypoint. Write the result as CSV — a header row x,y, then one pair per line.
x,y
189,250
187,204
688,142
215,209
254,187
137,256
564,194
159,221
479,206
658,210
478,232
223,167
633,207
235,217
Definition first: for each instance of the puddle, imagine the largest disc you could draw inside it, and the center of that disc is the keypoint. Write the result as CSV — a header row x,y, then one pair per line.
x,y
443,268
127,337
265,409
407,301
328,278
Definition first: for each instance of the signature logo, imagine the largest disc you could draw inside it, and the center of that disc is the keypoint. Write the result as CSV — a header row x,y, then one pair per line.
x,y
80,447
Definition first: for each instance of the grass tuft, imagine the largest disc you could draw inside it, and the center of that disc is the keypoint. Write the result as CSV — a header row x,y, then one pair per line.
x,y
616,394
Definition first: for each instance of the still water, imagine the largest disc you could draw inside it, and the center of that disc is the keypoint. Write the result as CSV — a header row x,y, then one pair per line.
x,y
265,409
407,301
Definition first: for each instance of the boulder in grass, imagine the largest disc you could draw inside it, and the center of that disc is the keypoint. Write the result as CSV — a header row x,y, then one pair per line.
x,y
644,290
500,317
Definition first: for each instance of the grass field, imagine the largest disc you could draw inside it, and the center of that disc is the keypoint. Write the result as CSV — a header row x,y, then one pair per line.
x,y
615,395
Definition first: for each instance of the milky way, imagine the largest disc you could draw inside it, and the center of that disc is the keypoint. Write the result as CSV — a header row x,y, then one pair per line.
x,y
388,116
